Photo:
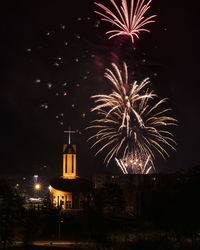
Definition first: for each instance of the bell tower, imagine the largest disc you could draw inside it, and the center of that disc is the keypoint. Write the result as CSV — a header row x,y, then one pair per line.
x,y
69,158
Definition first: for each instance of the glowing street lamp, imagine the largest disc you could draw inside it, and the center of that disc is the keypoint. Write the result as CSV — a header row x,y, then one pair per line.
x,y
37,186
59,228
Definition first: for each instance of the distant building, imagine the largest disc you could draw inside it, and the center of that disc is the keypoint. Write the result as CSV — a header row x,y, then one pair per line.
x,y
142,191
69,191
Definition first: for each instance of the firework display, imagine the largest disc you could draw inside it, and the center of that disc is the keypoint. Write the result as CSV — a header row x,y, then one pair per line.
x,y
130,125
129,21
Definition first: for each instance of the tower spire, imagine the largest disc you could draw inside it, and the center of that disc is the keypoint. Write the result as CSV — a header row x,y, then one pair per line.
x,y
69,132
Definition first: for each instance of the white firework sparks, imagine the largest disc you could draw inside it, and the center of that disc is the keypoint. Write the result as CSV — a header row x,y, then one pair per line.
x,y
135,165
130,127
129,22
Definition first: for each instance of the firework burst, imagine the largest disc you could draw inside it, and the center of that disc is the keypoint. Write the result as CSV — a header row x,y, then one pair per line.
x,y
131,125
129,22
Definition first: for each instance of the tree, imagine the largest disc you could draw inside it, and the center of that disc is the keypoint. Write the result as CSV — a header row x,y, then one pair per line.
x,y
11,213
113,198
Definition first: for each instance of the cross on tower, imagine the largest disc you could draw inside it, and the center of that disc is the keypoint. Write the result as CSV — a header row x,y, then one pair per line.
x,y
69,132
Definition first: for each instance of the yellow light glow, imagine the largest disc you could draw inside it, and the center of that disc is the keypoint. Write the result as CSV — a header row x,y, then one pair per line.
x,y
37,186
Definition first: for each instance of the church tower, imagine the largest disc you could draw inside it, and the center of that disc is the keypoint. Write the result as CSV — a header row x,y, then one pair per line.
x,y
69,191
69,161
69,158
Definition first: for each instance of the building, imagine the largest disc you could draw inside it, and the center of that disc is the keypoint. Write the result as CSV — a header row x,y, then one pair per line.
x,y
70,191
143,192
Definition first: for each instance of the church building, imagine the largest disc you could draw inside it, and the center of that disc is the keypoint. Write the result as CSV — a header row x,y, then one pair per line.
x,y
70,191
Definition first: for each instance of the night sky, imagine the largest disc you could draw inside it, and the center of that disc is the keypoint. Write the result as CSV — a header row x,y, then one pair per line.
x,y
53,56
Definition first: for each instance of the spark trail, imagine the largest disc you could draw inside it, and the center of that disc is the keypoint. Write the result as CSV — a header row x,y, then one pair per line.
x,y
129,21
132,126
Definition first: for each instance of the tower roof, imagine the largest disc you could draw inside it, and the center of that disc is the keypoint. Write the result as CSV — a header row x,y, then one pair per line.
x,y
70,149
72,185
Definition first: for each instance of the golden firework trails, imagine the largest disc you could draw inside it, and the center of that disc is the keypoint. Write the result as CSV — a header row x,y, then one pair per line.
x,y
129,126
129,22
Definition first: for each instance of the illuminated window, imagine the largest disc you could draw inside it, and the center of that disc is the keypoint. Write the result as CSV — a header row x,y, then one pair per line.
x,y
115,177
72,163
65,164
58,200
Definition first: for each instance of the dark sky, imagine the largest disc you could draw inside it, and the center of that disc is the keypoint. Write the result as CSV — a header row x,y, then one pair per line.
x,y
36,34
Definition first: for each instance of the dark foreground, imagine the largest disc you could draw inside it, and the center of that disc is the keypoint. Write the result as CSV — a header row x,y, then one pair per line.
x,y
171,221
140,245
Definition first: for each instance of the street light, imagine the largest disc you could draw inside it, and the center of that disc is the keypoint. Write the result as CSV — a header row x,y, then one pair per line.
x,y
59,228
37,186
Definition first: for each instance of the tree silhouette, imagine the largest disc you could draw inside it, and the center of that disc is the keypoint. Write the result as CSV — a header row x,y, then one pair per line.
x,y
11,211
113,198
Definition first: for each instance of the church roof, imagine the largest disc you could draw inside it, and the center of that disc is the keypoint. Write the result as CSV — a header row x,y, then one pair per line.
x,y
72,185
69,150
